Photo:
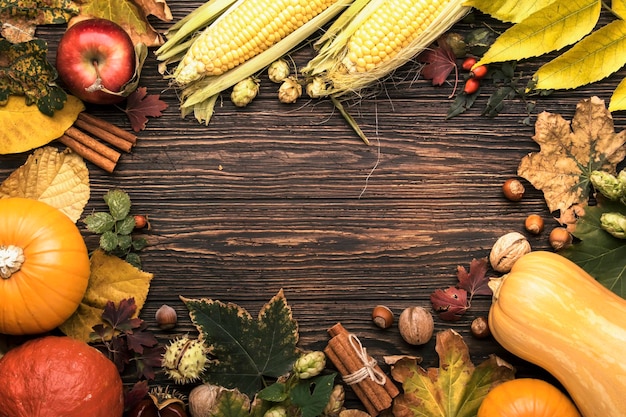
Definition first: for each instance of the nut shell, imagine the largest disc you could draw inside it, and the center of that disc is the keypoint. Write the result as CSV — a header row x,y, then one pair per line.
x,y
166,317
382,316
507,250
416,325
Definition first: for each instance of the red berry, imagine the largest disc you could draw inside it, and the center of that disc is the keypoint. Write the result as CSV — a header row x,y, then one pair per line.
x,y
468,63
479,72
471,86
141,221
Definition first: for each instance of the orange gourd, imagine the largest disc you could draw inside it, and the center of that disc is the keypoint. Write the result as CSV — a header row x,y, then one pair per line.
x,y
56,376
44,266
527,397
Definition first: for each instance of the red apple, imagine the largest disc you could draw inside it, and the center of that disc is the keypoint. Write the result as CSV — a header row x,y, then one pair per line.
x,y
96,57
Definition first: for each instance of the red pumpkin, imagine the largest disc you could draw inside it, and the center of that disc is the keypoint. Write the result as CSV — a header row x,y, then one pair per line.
x,y
57,376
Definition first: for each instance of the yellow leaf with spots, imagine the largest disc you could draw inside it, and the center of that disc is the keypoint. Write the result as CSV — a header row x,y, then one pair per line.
x,y
24,127
111,279
60,179
570,152
131,15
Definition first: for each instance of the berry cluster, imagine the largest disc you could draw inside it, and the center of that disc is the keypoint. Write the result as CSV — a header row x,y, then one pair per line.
x,y
476,73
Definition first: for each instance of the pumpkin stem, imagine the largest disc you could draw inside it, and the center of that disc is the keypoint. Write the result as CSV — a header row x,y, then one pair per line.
x,y
11,260
495,284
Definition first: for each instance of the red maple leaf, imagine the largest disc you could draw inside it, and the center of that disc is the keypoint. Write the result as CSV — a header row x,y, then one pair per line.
x,y
140,105
475,281
451,303
440,61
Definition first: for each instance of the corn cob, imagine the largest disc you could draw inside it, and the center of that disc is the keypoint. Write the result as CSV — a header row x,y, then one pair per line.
x,y
249,28
372,38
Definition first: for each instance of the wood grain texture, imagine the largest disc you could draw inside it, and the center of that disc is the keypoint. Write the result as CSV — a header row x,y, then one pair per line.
x,y
286,196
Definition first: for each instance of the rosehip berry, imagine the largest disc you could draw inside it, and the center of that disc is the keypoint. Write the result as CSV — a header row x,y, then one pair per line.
x,y
479,72
141,221
468,63
471,86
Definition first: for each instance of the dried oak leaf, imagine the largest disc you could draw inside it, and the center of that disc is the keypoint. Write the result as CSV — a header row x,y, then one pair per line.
x,y
20,18
246,350
132,15
140,105
569,154
60,179
455,389
112,280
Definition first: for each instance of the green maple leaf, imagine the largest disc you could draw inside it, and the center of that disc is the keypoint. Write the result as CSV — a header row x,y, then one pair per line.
x,y
246,350
455,389
312,395
24,70
600,254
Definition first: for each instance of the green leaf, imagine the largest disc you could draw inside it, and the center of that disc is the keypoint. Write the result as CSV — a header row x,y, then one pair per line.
x,y
118,202
455,389
277,392
246,350
99,222
108,241
126,225
24,70
595,57
557,25
124,242
600,254
312,395
508,10
139,243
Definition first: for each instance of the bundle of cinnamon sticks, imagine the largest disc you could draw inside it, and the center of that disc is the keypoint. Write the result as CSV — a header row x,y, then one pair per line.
x,y
359,370
89,137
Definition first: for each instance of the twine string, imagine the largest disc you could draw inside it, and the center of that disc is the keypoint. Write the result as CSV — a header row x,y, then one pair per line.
x,y
368,370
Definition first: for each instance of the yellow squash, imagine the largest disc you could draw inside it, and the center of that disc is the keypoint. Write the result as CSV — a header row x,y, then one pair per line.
x,y
550,312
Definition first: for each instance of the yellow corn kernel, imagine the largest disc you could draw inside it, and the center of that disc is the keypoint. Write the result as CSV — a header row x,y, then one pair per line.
x,y
390,28
252,27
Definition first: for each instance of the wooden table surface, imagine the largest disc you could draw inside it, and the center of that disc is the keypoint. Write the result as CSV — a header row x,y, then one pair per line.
x,y
287,196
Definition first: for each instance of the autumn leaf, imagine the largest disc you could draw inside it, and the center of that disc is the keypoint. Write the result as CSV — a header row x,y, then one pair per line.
x,y
440,61
140,105
455,389
24,127
131,15
25,71
450,303
112,280
20,18
551,28
474,281
508,10
600,54
246,350
569,154
597,252
60,179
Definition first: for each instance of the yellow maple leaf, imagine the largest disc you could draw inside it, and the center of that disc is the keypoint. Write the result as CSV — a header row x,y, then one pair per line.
x,y
569,154
508,10
593,58
551,28
24,127
60,179
129,14
111,279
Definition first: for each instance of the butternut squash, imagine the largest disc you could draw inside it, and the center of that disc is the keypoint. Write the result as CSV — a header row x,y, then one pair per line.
x,y
550,312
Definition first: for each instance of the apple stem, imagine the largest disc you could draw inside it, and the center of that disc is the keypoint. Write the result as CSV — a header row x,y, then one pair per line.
x,y
97,84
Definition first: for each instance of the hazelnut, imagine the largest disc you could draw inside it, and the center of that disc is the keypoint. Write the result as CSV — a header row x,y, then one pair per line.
x,y
382,316
560,238
166,317
416,325
507,250
480,328
513,189
534,224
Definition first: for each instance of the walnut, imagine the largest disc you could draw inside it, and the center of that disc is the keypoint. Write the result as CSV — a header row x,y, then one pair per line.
x,y
508,249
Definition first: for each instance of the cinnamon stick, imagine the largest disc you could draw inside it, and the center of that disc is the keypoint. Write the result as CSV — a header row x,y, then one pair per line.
x,y
117,141
93,144
109,127
88,153
376,397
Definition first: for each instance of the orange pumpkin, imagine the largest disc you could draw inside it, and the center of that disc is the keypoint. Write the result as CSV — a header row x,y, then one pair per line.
x,y
44,266
527,397
56,376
